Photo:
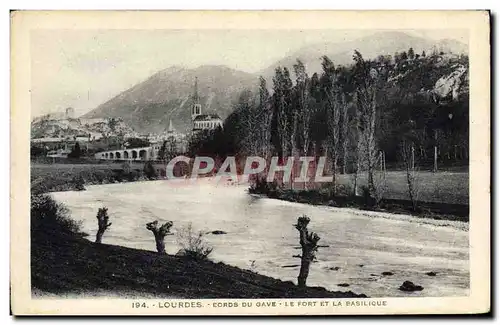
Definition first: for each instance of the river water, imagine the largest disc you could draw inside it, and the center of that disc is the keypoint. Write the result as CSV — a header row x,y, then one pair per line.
x,y
261,236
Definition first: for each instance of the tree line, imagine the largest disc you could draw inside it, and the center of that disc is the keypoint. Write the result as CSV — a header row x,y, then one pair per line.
x,y
362,116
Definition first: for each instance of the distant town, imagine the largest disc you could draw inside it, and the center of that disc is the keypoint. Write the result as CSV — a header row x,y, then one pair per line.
x,y
62,135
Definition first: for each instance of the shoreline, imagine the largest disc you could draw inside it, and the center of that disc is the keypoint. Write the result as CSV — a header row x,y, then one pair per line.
x,y
429,210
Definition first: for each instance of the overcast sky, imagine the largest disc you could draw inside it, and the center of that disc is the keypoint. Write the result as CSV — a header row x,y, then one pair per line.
x,y
83,69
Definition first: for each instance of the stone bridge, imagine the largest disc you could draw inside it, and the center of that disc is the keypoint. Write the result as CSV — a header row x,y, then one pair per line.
x,y
135,154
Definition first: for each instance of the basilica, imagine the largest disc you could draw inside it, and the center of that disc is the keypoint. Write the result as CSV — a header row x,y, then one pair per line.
x,y
202,121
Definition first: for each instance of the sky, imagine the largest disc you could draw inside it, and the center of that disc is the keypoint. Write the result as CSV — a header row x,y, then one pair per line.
x,y
84,68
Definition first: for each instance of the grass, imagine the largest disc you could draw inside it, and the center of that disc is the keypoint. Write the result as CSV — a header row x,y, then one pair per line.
x,y
67,177
442,187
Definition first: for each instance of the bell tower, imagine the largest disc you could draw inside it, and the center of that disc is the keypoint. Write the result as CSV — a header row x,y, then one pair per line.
x,y
196,108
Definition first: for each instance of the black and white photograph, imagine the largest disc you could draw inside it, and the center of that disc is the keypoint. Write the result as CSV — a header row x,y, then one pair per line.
x,y
237,170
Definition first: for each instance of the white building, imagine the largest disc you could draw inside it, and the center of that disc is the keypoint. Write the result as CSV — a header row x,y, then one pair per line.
x,y
202,121
206,122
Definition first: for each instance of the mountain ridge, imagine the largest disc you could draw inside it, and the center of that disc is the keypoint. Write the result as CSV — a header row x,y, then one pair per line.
x,y
166,95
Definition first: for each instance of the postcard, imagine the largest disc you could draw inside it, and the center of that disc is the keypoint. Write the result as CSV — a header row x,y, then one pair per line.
x,y
250,162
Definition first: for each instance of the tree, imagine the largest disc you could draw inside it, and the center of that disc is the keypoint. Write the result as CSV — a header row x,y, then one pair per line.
x,y
112,123
411,53
290,112
136,143
332,95
265,112
150,171
76,152
168,149
160,233
404,56
304,109
280,107
102,222
408,154
309,244
365,78
249,127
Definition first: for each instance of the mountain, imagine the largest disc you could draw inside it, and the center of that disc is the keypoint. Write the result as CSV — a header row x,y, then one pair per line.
x,y
167,95
381,43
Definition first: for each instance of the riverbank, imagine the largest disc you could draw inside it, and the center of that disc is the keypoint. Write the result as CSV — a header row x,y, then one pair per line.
x,y
431,210
63,266
59,177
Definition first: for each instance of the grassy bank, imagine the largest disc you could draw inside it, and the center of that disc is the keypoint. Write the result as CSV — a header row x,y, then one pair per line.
x,y
55,177
451,204
63,264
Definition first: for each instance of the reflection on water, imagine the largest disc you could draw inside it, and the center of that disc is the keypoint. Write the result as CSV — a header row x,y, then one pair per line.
x,y
261,237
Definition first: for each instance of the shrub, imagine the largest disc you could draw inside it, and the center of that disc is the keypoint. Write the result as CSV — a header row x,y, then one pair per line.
x,y
133,175
150,171
344,190
193,244
259,185
126,167
78,183
47,215
368,198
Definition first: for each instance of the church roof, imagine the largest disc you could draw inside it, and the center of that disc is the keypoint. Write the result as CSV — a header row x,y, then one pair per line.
x,y
207,117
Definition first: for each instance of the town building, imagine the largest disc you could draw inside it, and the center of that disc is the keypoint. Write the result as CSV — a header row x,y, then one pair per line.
x,y
202,121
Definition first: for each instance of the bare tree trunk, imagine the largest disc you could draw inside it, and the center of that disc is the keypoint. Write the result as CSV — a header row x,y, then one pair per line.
x,y
344,133
309,244
160,233
435,152
102,221
409,161
358,165
334,178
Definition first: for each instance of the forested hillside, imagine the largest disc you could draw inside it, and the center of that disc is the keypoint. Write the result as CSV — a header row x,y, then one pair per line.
x,y
359,114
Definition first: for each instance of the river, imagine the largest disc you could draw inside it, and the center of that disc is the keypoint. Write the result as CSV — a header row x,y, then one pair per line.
x,y
261,236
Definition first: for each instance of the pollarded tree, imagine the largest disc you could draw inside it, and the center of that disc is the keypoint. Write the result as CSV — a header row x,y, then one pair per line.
x,y
160,233
102,222
309,244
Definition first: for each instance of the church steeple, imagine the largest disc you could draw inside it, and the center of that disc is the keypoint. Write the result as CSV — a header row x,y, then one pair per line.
x,y
196,98
196,109
170,127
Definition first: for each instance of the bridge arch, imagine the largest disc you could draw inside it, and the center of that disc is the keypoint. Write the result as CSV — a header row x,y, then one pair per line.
x,y
118,155
125,154
134,154
111,156
142,154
